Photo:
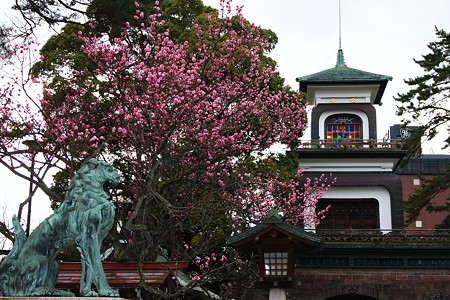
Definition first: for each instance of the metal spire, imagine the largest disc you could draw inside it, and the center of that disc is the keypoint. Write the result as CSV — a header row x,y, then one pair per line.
x,y
340,56
340,45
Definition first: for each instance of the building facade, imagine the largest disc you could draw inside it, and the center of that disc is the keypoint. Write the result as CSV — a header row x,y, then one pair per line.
x,y
368,193
367,251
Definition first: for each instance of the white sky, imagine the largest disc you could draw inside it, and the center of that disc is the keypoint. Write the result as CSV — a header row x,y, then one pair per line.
x,y
378,36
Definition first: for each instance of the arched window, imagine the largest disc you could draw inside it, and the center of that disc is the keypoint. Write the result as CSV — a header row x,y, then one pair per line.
x,y
343,129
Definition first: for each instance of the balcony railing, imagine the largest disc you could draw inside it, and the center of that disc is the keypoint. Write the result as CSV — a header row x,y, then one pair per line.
x,y
371,248
388,236
352,144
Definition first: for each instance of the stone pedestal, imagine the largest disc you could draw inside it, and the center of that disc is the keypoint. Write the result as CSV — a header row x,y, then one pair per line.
x,y
277,294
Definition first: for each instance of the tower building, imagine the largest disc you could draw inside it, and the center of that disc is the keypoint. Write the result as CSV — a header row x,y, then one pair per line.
x,y
367,194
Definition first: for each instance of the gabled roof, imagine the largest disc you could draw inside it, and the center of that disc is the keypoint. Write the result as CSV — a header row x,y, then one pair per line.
x,y
298,234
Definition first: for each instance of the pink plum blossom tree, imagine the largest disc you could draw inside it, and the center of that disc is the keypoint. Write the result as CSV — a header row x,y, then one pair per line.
x,y
188,125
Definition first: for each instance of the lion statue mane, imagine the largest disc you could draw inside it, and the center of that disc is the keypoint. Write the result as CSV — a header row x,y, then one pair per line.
x,y
85,217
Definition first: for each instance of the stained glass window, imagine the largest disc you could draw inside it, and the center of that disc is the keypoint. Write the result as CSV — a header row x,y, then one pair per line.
x,y
343,130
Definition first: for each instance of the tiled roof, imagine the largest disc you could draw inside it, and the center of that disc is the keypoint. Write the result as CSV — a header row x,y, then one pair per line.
x,y
294,231
247,233
341,74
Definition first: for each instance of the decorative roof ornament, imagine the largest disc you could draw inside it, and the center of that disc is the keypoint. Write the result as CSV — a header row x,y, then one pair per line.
x,y
340,62
273,216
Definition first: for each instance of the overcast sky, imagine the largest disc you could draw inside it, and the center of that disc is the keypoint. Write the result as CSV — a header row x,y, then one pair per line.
x,y
378,36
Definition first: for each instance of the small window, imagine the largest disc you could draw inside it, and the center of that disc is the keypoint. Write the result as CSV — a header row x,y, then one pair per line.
x,y
276,263
416,181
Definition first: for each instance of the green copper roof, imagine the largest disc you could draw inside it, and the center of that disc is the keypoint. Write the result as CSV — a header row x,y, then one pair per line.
x,y
274,221
341,74
292,230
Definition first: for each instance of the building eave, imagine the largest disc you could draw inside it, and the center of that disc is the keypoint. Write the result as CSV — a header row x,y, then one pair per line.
x,y
341,160
344,76
348,153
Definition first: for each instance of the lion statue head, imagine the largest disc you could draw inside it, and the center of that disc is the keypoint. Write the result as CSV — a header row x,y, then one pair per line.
x,y
94,176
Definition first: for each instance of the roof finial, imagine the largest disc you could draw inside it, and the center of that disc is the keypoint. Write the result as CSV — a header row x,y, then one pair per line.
x,y
340,45
340,57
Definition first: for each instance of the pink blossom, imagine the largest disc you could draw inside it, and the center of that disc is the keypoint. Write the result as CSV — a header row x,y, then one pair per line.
x,y
182,125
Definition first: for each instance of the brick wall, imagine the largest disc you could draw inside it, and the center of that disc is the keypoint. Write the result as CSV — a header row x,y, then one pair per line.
x,y
386,284
427,220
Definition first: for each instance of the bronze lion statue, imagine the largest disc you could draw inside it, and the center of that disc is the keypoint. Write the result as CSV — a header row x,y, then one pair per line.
x,y
85,217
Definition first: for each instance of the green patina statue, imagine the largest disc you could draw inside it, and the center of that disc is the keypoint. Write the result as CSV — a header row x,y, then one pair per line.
x,y
85,217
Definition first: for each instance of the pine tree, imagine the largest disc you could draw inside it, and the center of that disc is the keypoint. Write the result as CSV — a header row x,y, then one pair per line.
x,y
429,100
